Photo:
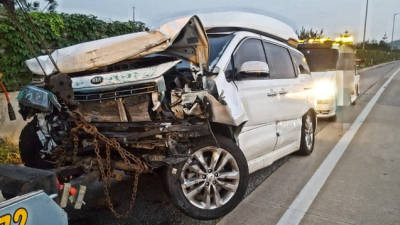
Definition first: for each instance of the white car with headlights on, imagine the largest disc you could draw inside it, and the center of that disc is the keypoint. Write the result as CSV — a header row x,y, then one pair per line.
x,y
336,82
325,93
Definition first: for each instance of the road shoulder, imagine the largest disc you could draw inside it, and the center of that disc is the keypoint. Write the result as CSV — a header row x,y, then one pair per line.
x,y
363,187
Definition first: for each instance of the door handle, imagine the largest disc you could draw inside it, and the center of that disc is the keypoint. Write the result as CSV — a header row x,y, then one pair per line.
x,y
272,93
283,92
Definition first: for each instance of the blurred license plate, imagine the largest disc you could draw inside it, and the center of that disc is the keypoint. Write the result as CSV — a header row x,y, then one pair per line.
x,y
18,217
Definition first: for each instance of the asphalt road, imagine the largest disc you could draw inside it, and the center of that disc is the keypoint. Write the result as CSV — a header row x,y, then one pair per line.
x,y
368,78
363,186
152,205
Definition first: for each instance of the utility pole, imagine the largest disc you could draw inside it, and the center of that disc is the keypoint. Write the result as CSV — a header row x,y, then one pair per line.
x,y
365,24
391,43
133,15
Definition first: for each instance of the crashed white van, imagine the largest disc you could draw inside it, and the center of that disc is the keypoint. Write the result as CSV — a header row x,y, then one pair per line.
x,y
210,98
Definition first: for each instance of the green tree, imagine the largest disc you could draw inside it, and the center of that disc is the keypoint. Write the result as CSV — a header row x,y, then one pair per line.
x,y
29,6
57,30
50,6
3,11
34,6
304,34
373,44
383,44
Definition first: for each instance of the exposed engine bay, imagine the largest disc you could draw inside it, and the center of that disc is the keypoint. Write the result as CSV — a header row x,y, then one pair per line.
x,y
150,114
169,95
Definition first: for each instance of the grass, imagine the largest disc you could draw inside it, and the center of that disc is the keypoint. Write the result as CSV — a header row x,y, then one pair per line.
x,y
9,152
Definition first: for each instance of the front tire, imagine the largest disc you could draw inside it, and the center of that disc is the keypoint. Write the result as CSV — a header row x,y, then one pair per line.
x,y
212,182
30,146
307,134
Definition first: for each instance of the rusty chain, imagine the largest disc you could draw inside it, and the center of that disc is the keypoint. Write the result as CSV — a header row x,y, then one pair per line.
x,y
75,138
61,152
130,159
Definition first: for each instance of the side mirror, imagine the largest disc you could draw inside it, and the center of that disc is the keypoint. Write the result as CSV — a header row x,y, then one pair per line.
x,y
254,67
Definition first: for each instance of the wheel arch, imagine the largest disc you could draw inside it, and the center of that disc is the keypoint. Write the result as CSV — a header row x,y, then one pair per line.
x,y
224,130
228,131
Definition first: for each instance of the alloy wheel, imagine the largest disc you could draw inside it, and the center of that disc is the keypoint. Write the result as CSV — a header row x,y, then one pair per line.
x,y
309,132
210,178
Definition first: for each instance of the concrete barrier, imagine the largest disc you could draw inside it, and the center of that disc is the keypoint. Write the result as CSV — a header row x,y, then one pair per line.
x,y
9,128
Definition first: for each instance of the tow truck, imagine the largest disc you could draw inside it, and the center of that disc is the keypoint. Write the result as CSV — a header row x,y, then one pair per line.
x,y
30,196
334,71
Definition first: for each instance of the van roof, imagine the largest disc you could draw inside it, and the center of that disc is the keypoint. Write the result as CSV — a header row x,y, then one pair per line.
x,y
244,21
94,54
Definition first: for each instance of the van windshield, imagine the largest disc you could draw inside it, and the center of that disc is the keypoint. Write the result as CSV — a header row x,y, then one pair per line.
x,y
320,60
218,44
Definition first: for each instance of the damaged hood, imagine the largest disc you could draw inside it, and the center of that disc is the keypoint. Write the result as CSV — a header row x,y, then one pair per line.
x,y
184,38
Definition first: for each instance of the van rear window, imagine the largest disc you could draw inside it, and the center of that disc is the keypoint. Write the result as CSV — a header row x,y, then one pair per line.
x,y
320,60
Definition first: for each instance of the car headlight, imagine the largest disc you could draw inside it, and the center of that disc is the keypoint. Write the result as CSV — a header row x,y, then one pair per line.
x,y
324,90
35,97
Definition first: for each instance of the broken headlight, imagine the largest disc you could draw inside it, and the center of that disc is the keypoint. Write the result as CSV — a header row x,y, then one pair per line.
x,y
36,98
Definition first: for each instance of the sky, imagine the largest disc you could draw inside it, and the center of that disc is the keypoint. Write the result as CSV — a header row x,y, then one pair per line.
x,y
334,16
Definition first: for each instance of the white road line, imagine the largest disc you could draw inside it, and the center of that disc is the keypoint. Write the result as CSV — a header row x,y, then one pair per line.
x,y
295,213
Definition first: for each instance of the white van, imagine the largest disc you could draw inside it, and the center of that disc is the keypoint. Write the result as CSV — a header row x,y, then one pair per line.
x,y
211,98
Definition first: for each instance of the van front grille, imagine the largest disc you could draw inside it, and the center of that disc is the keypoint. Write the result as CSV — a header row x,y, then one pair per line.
x,y
116,93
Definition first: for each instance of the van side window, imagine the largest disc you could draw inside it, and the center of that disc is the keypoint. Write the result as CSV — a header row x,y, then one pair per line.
x,y
249,50
300,62
279,61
